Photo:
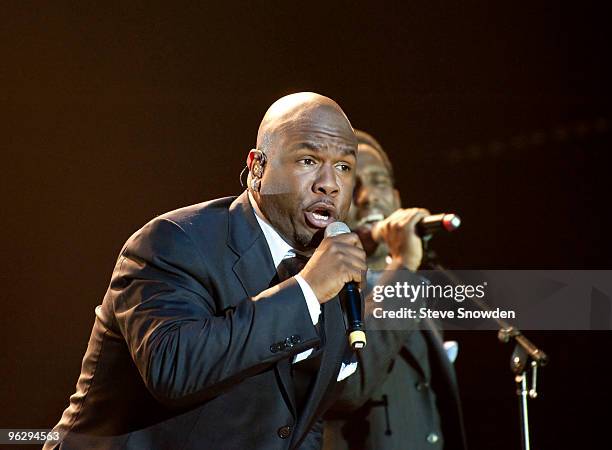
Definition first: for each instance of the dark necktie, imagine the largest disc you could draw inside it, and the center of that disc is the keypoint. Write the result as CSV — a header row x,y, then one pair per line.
x,y
291,266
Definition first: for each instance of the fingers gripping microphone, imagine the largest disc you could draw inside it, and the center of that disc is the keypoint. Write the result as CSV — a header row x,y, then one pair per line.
x,y
351,297
425,227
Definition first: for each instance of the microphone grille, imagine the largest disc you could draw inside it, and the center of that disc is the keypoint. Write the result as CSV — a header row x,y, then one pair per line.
x,y
336,228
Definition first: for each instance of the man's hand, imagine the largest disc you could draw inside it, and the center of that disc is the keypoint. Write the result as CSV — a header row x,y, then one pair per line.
x,y
398,232
336,261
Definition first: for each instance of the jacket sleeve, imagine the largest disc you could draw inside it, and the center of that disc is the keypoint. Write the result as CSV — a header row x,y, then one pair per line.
x,y
185,349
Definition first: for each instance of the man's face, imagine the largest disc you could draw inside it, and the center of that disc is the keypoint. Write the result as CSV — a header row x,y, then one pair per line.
x,y
375,197
309,178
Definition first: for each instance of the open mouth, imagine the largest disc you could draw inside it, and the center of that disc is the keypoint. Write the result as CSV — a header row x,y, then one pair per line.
x,y
320,215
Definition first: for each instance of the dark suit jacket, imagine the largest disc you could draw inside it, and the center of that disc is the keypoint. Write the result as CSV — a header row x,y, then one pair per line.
x,y
404,393
181,357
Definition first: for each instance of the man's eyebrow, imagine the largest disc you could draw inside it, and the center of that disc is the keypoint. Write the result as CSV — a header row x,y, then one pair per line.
x,y
349,151
310,146
318,147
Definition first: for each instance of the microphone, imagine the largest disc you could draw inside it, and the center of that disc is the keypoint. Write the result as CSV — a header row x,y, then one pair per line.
x,y
351,297
424,228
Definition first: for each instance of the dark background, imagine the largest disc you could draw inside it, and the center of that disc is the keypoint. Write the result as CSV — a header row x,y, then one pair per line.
x,y
116,113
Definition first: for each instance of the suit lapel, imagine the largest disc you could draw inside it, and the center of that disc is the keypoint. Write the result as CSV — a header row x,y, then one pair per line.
x,y
332,353
256,272
445,385
432,340
254,267
438,357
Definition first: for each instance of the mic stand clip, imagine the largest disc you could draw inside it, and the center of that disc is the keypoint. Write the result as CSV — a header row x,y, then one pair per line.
x,y
524,363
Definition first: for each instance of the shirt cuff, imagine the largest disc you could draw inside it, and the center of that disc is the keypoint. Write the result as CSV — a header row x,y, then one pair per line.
x,y
314,307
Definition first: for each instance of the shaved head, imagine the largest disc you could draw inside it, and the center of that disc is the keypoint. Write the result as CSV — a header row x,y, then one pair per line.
x,y
294,110
305,178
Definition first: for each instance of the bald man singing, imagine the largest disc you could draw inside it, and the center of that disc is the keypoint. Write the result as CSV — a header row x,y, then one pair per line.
x,y
221,327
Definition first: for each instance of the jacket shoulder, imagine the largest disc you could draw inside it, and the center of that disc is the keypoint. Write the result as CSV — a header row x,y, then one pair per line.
x,y
205,216
201,222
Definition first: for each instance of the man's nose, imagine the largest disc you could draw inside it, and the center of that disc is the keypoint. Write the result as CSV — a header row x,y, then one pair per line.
x,y
326,182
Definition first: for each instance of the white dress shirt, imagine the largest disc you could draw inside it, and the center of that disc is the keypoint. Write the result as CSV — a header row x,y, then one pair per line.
x,y
281,250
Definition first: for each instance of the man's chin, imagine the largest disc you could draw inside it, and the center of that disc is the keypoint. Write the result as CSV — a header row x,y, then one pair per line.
x,y
310,241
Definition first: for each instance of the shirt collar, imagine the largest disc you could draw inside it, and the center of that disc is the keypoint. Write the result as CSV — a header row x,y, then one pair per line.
x,y
277,245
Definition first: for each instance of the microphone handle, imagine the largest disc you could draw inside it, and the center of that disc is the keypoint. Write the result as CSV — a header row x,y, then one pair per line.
x,y
436,222
350,297
352,304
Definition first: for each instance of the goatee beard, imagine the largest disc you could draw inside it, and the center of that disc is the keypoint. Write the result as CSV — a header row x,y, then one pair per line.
x,y
309,244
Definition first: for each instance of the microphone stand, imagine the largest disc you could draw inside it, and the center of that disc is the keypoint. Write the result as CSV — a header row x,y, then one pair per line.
x,y
526,357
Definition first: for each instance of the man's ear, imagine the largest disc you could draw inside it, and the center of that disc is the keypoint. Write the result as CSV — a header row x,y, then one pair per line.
x,y
256,160
250,158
